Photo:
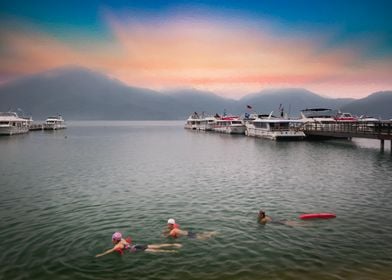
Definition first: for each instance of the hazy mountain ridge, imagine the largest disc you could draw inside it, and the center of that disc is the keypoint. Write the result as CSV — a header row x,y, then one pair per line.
x,y
293,100
82,94
378,104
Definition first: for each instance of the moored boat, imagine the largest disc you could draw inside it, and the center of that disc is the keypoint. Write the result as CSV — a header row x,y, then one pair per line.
x,y
271,127
317,118
230,125
345,117
11,123
54,123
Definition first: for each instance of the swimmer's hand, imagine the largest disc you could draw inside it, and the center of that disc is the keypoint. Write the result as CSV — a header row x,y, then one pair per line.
x,y
105,253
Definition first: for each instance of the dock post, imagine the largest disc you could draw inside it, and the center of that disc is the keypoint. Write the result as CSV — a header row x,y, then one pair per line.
x,y
382,145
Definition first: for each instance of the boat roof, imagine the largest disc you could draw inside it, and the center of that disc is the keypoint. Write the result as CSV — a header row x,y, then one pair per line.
x,y
8,114
276,120
11,116
315,109
229,118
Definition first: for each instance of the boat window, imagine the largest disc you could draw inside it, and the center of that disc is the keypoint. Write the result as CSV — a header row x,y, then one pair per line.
x,y
281,125
260,124
4,123
236,122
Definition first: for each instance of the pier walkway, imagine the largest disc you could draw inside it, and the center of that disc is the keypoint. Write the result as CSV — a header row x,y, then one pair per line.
x,y
381,130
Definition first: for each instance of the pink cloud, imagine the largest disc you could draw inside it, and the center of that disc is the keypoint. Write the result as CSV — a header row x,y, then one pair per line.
x,y
231,58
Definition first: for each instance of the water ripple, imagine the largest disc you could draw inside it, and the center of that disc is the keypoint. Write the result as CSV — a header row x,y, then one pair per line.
x,y
58,214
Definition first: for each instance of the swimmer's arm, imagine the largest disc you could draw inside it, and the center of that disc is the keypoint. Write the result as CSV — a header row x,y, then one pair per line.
x,y
106,252
166,233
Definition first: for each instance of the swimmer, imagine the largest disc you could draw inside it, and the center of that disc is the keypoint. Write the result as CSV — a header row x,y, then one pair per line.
x,y
173,230
121,245
262,218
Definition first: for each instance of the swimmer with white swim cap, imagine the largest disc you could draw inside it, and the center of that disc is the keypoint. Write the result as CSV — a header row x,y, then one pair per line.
x,y
174,231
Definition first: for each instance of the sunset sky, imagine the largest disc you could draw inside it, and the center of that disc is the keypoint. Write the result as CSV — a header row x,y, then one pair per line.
x,y
334,48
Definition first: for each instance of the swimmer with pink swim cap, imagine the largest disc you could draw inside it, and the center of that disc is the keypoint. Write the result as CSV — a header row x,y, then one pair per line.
x,y
121,245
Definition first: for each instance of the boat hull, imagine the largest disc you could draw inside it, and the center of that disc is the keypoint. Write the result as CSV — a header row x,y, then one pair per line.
x,y
11,130
275,135
53,127
230,129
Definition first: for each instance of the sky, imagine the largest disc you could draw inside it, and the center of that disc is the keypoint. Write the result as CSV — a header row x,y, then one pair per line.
x,y
232,48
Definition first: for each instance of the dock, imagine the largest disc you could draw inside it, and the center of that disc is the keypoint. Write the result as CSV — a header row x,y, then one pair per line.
x,y
381,130
35,127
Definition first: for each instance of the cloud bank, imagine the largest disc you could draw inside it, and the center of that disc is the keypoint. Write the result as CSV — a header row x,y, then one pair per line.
x,y
229,56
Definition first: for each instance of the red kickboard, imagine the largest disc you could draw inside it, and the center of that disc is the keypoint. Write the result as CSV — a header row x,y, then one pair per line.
x,y
317,216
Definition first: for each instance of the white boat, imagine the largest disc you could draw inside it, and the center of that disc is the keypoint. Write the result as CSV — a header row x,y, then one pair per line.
x,y
197,122
368,119
317,118
230,125
193,122
11,123
54,123
270,127
207,123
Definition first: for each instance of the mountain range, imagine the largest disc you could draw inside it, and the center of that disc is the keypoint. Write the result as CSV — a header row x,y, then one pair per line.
x,y
82,94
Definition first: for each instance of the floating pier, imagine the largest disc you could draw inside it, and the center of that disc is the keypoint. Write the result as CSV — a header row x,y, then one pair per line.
x,y
381,130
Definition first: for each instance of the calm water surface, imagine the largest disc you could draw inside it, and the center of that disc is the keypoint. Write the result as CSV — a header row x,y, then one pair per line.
x,y
64,193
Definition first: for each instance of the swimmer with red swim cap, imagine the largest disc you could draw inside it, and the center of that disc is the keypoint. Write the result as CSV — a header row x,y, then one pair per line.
x,y
173,230
121,245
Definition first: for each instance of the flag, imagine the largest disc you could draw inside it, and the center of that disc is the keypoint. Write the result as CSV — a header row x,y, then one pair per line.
x,y
248,106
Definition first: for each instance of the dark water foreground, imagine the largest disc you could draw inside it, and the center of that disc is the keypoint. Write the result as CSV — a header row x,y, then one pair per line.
x,y
64,193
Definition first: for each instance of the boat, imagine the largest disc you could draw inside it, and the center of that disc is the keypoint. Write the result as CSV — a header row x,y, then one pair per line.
x,y
368,119
11,123
207,123
271,127
317,118
345,117
54,123
229,125
197,122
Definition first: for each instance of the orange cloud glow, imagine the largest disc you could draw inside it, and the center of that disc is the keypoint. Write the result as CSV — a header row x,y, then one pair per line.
x,y
230,58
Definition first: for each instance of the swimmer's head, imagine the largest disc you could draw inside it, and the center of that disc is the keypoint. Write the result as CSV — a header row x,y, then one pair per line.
x,y
170,223
116,237
261,213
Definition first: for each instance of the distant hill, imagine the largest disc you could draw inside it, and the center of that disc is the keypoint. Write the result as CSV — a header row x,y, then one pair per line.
x,y
192,100
293,101
82,94
378,104
79,93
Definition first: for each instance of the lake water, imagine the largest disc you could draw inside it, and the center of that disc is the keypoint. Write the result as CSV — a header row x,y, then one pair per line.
x,y
64,193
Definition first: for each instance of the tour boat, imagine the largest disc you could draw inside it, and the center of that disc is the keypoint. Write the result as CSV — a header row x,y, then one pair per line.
x,y
271,127
317,118
54,123
207,123
345,117
318,115
230,125
193,122
197,122
11,123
